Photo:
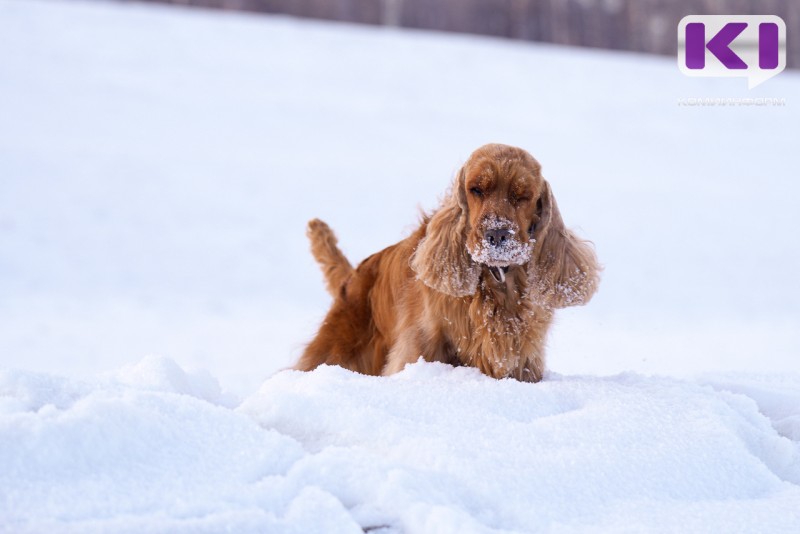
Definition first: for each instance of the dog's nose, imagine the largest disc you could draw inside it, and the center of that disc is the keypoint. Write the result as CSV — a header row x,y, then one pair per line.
x,y
497,237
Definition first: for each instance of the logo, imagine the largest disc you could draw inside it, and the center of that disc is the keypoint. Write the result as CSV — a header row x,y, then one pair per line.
x,y
747,46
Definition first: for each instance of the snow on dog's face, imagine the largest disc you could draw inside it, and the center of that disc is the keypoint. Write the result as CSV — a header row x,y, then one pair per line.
x,y
500,216
501,188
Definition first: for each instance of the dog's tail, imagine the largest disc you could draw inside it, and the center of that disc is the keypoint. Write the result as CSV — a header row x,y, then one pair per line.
x,y
334,265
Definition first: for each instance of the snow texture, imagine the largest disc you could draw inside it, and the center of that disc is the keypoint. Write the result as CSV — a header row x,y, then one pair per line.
x,y
511,252
157,169
432,449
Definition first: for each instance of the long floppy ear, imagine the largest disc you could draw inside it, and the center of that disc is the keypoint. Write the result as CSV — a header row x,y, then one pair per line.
x,y
565,271
441,260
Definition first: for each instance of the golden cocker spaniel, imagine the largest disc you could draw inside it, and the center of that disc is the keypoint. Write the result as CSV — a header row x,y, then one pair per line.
x,y
476,284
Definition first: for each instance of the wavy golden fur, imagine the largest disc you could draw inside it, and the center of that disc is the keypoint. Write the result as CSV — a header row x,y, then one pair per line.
x,y
476,284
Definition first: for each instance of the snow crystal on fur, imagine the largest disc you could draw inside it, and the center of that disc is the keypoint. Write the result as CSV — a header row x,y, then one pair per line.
x,y
512,252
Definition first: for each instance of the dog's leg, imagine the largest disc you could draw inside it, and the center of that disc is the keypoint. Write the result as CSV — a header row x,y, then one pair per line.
x,y
531,369
413,344
348,336
407,349
340,341
333,263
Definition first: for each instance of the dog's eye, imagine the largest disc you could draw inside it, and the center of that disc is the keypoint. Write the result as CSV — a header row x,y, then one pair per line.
x,y
476,191
519,200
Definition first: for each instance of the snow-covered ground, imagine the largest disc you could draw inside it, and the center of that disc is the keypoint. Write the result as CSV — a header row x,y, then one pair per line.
x,y
157,168
433,449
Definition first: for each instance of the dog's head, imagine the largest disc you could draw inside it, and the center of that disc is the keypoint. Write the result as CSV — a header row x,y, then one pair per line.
x,y
501,189
501,215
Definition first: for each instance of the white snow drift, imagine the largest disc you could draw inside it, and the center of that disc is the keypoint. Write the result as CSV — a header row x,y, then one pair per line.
x,y
433,449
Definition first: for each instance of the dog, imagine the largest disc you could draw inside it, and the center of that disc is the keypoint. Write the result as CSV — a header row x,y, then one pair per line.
x,y
475,284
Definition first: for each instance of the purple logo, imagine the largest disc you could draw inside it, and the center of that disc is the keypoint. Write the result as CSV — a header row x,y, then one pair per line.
x,y
751,46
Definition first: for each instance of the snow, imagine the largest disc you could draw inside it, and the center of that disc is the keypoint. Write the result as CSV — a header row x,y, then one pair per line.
x,y
432,449
511,252
157,170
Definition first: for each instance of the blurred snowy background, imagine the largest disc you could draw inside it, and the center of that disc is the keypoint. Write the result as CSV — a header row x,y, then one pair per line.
x,y
158,166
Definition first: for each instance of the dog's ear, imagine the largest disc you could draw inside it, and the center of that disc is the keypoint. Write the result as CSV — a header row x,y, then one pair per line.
x,y
441,260
564,269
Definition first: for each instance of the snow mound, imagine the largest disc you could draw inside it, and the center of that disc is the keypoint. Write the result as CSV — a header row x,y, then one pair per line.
x,y
163,374
432,449
128,458
777,397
